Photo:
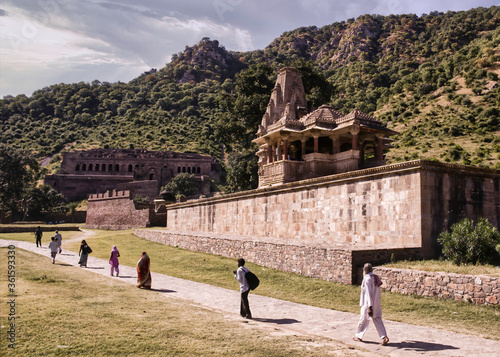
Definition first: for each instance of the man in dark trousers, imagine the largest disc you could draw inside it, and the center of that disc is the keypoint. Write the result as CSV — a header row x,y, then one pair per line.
x,y
244,288
38,236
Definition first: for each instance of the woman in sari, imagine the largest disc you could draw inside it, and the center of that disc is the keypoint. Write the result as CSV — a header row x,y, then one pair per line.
x,y
113,260
84,253
143,273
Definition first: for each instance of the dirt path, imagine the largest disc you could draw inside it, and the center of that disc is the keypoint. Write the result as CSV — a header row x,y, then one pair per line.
x,y
283,317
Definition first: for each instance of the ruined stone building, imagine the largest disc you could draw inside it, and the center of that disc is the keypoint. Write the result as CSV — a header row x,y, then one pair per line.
x,y
140,171
296,145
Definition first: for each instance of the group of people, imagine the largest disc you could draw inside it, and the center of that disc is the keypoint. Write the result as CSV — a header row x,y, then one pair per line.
x,y
143,272
370,301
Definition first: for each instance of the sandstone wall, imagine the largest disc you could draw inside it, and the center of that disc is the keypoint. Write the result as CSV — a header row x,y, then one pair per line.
x,y
116,210
473,288
404,205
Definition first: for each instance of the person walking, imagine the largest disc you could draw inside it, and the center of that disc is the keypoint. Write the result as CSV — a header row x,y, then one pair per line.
x,y
370,302
53,249
58,238
38,236
143,273
113,260
84,253
244,288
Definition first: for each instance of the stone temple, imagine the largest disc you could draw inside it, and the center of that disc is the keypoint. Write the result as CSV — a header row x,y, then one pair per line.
x,y
296,145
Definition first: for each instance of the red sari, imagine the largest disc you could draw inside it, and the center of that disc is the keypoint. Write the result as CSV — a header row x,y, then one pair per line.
x,y
143,273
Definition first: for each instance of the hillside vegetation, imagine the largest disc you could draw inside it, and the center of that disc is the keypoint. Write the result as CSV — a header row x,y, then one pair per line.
x,y
433,78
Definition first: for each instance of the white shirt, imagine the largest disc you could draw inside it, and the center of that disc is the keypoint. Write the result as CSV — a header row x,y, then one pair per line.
x,y
240,276
53,246
370,295
58,238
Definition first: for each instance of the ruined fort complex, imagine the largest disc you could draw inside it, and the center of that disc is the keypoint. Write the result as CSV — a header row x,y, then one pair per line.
x,y
327,202
140,171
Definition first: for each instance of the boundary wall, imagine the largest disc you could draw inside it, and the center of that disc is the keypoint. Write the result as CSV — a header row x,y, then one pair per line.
x,y
404,205
478,289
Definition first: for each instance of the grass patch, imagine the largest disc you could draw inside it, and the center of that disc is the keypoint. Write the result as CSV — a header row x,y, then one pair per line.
x,y
30,236
478,320
63,310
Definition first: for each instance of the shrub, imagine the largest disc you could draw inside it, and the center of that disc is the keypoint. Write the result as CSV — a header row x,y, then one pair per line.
x,y
469,244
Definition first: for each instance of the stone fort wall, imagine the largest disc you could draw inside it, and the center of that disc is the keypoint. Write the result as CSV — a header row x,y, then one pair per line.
x,y
396,206
116,210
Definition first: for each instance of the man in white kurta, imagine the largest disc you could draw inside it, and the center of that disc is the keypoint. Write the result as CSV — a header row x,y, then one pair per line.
x,y
371,306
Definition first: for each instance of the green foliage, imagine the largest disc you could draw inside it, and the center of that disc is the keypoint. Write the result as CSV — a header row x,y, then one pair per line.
x,y
44,199
469,244
409,71
18,171
182,184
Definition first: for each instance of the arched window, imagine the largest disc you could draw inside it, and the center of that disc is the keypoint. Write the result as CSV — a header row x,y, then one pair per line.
x,y
77,167
130,168
117,167
110,167
198,170
84,167
189,170
90,167
178,169
97,167
193,170
151,176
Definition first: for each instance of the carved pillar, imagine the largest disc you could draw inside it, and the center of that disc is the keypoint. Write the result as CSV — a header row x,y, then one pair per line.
x,y
269,151
303,142
354,132
315,134
285,145
273,149
380,147
335,144
280,151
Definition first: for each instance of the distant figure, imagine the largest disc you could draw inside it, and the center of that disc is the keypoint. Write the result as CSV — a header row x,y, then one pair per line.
x,y
113,260
38,236
143,273
244,288
53,249
58,238
370,306
84,253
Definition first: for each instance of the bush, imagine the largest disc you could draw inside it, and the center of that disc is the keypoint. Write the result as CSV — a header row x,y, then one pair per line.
x,y
466,244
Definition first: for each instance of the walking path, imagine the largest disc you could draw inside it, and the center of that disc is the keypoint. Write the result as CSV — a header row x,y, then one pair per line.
x,y
296,319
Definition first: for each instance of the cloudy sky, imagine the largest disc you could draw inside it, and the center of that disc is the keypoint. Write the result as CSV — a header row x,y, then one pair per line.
x,y
44,42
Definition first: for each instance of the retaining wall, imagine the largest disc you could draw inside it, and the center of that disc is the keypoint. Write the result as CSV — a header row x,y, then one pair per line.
x,y
478,289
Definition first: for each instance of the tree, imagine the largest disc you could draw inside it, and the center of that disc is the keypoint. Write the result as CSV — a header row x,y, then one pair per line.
x,y
182,184
18,171
41,200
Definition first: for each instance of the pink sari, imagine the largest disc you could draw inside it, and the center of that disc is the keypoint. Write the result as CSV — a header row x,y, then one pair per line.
x,y
143,273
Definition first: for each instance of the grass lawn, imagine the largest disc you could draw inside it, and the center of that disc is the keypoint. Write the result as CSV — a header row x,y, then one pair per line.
x,y
63,310
483,321
446,266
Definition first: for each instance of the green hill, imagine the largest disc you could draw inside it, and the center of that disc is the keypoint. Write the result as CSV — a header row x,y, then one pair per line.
x,y
433,78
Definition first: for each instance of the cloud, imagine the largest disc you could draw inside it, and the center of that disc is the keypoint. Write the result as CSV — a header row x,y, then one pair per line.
x,y
95,34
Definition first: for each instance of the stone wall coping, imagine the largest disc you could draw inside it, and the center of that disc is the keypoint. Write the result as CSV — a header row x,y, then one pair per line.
x,y
109,195
104,175
371,173
439,273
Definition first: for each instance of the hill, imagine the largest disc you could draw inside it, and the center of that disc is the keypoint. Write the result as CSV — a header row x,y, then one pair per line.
x,y
433,78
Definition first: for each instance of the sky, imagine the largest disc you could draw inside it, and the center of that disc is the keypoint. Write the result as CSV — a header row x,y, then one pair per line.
x,y
44,42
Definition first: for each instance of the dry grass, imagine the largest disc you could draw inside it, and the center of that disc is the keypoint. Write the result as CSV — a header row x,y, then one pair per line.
x,y
446,266
62,310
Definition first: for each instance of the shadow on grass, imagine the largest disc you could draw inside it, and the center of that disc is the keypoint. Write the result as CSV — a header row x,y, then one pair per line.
x,y
94,267
65,265
417,346
277,321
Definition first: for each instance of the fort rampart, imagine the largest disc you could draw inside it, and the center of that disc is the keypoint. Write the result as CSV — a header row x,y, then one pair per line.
x,y
403,205
117,210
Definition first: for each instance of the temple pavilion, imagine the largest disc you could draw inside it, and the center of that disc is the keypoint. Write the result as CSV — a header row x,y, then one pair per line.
x,y
295,144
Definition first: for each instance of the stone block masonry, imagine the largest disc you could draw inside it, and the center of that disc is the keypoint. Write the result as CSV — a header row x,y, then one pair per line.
x,y
326,263
478,289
